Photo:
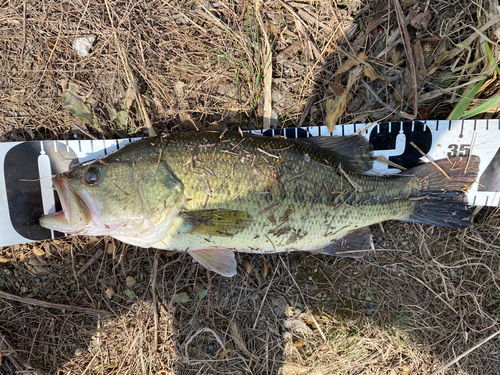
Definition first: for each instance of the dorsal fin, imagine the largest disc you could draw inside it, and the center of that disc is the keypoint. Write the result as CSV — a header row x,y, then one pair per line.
x,y
352,151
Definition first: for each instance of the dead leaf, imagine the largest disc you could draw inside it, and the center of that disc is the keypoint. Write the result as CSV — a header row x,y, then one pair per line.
x,y
421,21
369,72
129,98
351,62
408,3
419,60
179,89
335,107
77,107
299,343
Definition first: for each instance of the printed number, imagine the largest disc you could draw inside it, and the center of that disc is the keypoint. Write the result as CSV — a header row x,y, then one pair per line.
x,y
455,150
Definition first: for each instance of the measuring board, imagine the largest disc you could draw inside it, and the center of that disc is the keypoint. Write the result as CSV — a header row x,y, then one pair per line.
x,y
26,167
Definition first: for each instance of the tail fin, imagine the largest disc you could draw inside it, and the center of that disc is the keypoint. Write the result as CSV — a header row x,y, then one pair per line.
x,y
441,199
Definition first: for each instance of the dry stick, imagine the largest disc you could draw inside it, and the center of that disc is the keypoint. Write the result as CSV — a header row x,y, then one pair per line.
x,y
155,304
264,299
430,159
50,305
387,106
130,78
268,71
406,43
466,352
7,350
21,56
90,262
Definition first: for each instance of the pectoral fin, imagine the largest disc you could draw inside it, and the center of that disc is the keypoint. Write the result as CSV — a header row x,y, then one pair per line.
x,y
353,245
220,222
221,261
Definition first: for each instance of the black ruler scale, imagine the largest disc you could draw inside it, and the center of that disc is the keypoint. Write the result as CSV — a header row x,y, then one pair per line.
x,y
26,190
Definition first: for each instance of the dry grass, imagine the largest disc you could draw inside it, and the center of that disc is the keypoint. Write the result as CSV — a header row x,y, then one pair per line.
x,y
426,296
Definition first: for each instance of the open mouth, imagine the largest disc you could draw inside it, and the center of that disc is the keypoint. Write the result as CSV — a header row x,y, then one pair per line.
x,y
74,215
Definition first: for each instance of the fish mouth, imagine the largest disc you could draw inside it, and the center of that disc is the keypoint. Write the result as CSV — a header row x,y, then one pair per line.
x,y
75,214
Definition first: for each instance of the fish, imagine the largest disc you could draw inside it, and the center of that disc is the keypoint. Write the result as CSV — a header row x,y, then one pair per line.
x,y
212,194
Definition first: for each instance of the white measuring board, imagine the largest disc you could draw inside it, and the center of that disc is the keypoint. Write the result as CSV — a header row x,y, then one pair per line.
x,y
26,167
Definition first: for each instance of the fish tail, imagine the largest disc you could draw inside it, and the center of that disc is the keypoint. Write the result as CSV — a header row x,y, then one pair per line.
x,y
441,198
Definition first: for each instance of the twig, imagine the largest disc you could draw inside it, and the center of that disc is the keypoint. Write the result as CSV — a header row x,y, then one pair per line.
x,y
90,262
21,56
7,350
267,59
467,352
153,291
84,131
431,160
264,299
50,305
409,55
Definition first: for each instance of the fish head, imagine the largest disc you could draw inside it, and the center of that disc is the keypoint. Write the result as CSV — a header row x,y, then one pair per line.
x,y
132,195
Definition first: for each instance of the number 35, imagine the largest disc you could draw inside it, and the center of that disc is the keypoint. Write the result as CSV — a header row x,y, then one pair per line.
x,y
455,150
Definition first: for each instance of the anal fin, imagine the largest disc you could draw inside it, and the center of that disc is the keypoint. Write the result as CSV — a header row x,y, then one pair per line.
x,y
221,261
353,245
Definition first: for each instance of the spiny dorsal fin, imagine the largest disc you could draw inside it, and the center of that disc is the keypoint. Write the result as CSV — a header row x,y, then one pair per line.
x,y
352,151
217,222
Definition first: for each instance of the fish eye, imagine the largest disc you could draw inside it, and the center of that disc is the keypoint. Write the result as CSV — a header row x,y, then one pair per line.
x,y
92,176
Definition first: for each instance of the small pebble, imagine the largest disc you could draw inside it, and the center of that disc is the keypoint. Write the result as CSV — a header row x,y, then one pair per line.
x,y
78,352
110,292
131,281
82,261
110,248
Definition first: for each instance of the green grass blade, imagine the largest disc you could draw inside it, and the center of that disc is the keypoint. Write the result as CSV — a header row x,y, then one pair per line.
x,y
490,56
464,103
481,108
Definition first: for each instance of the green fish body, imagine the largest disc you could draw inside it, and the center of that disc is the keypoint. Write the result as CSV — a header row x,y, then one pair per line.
x,y
212,194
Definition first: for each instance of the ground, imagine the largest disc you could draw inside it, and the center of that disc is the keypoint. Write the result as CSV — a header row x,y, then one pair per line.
x,y
424,297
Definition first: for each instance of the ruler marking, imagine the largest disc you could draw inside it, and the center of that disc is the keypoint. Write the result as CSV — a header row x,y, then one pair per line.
x,y
474,201
486,203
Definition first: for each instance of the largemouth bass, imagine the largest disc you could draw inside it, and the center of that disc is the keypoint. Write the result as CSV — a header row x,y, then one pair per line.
x,y
212,194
